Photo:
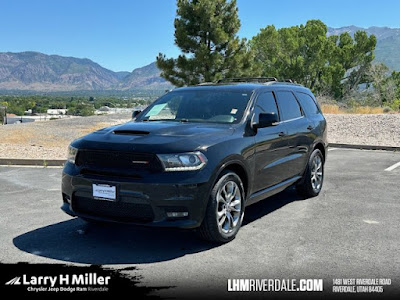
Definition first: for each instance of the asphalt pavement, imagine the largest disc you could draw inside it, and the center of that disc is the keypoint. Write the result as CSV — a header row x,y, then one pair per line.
x,y
351,230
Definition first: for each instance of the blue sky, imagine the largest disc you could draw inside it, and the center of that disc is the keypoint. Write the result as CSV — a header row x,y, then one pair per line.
x,y
122,35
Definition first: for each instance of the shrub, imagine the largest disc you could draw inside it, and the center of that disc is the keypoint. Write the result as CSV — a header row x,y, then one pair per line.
x,y
387,109
331,109
366,110
396,105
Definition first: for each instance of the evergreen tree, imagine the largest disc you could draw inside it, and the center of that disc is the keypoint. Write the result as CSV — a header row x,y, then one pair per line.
x,y
334,64
206,33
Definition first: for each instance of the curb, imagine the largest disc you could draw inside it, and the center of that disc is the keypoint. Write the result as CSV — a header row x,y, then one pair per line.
x,y
363,147
32,162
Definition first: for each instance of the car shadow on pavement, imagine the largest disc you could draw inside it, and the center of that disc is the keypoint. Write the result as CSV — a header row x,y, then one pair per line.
x,y
267,206
76,241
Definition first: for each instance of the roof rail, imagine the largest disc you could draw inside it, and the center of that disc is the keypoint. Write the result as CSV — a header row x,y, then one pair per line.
x,y
288,80
248,79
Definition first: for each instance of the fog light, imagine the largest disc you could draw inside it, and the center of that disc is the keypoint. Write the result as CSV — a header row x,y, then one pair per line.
x,y
174,214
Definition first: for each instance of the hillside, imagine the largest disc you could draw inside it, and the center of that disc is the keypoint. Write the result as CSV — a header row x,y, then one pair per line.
x,y
40,72
388,43
34,71
147,77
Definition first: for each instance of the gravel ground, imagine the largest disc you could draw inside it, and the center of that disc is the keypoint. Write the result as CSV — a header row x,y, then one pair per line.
x,y
375,130
49,139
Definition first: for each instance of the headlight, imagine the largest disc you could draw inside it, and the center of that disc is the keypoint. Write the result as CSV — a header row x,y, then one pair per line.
x,y
183,161
72,152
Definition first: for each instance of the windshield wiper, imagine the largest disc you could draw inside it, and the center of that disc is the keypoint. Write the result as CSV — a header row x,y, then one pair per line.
x,y
154,120
172,120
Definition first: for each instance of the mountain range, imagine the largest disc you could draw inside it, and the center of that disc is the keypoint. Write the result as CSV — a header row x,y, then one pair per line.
x,y
34,71
387,46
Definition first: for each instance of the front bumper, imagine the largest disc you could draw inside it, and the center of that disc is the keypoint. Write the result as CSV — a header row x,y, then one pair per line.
x,y
137,202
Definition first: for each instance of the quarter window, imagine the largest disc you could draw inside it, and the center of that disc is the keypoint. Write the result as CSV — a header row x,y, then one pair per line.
x,y
288,106
308,104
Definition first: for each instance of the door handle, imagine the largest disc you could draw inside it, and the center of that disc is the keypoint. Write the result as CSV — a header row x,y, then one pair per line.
x,y
310,127
281,133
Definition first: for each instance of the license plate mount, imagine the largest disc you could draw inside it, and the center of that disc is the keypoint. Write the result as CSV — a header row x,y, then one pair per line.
x,y
105,192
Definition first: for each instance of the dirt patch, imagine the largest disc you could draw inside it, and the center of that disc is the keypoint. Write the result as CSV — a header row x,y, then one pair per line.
x,y
50,139
95,127
365,129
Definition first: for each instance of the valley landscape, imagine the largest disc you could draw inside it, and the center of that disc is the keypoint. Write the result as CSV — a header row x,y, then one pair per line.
x,y
37,72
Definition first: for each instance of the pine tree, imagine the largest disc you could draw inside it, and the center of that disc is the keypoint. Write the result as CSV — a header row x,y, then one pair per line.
x,y
327,64
206,33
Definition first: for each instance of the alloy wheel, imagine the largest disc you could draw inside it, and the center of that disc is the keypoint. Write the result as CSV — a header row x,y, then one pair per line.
x,y
229,207
317,173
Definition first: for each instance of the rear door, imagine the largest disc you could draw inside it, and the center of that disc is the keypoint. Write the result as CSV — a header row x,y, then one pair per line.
x,y
271,145
298,133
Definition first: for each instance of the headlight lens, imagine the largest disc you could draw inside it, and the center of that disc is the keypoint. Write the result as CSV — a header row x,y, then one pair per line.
x,y
183,161
72,152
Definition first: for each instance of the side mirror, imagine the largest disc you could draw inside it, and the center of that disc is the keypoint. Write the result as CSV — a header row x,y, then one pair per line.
x,y
135,113
266,120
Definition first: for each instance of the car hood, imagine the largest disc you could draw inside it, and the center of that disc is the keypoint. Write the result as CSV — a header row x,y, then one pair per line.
x,y
156,136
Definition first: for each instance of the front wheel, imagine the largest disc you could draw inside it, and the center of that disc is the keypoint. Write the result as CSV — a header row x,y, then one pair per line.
x,y
225,209
313,178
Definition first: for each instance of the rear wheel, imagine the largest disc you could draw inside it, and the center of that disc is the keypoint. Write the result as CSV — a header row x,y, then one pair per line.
x,y
313,178
225,209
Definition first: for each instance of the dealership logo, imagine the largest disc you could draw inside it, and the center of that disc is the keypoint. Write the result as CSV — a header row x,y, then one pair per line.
x,y
275,285
88,279
14,281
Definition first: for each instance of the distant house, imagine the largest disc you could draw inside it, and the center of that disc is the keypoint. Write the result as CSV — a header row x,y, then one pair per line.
x,y
57,112
14,119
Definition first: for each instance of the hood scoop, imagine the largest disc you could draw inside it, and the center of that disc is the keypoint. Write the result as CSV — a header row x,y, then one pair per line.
x,y
130,132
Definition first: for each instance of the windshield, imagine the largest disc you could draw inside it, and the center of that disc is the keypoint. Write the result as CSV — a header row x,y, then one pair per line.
x,y
210,106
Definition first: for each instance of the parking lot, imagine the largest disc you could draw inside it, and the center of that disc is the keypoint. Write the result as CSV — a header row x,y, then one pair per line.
x,y
351,230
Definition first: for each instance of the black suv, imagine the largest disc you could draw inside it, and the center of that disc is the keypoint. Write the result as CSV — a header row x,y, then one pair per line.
x,y
198,155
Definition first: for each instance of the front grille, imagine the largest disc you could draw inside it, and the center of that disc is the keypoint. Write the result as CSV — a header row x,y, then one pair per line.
x,y
118,160
109,174
121,211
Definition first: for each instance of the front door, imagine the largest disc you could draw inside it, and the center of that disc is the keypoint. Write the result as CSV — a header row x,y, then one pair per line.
x,y
271,146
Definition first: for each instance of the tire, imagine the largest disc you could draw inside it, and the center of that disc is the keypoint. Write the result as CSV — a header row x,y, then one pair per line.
x,y
225,209
311,183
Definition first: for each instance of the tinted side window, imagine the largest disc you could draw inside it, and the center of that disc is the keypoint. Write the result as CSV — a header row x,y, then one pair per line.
x,y
266,103
288,106
308,104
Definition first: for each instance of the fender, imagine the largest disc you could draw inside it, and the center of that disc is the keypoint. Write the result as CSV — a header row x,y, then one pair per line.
x,y
232,160
315,143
